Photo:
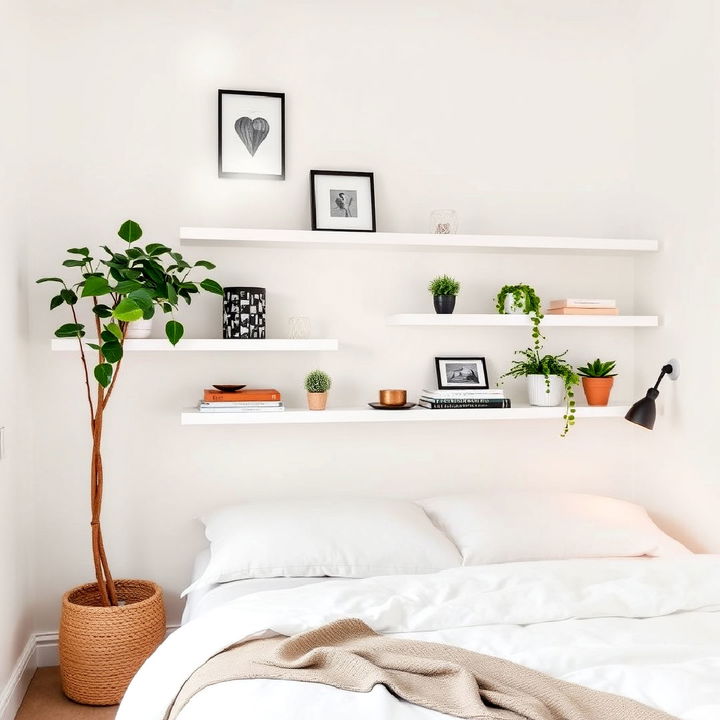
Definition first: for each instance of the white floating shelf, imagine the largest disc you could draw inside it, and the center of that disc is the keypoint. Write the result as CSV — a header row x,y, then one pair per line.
x,y
242,237
416,414
497,319
210,345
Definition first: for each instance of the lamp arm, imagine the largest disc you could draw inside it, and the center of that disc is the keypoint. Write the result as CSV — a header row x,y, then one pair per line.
x,y
666,370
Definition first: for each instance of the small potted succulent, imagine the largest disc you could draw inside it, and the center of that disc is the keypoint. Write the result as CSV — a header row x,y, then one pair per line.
x,y
521,300
550,379
597,381
444,289
317,384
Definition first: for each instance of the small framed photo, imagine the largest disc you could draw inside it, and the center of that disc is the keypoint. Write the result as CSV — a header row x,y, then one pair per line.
x,y
461,373
251,134
342,200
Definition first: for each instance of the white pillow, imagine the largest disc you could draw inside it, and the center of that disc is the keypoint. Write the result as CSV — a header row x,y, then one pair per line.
x,y
506,526
344,537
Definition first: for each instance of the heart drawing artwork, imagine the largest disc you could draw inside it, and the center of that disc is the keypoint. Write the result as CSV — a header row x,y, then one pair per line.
x,y
252,132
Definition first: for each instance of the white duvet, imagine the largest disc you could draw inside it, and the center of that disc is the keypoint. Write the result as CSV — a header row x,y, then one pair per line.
x,y
648,629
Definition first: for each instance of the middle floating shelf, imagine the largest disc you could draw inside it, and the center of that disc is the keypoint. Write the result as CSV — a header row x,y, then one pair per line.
x,y
497,319
210,345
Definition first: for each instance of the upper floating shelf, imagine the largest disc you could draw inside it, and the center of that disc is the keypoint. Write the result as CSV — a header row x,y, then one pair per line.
x,y
242,237
496,319
210,345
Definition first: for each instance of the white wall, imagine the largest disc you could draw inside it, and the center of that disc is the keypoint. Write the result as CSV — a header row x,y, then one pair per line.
x,y
526,117
15,501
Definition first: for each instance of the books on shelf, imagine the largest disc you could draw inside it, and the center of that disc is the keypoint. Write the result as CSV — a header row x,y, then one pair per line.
x,y
582,311
489,393
582,303
249,400
458,404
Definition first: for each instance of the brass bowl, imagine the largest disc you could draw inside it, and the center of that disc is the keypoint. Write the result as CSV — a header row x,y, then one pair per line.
x,y
393,397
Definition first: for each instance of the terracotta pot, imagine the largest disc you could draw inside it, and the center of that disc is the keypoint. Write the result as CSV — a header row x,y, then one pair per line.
x,y
444,304
317,401
101,648
597,390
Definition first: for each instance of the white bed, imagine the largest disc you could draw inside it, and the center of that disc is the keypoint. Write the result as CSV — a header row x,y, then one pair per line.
x,y
645,628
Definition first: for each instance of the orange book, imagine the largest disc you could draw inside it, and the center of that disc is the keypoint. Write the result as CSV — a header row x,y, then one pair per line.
x,y
582,311
247,395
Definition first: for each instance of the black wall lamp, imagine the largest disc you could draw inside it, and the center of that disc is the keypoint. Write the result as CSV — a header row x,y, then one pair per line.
x,y
643,411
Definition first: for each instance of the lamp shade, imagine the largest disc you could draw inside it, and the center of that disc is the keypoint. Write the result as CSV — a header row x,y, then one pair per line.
x,y
643,411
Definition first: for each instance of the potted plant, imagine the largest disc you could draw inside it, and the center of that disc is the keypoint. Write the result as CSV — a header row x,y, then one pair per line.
x,y
597,381
444,290
550,379
522,300
317,384
109,627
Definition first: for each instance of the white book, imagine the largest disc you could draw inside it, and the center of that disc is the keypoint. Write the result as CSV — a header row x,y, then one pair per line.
x,y
250,404
490,392
241,410
583,303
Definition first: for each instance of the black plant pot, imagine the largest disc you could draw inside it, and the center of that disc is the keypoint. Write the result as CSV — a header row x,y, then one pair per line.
x,y
444,304
244,313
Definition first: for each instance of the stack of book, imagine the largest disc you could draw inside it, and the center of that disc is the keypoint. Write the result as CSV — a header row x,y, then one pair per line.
x,y
463,399
247,400
582,306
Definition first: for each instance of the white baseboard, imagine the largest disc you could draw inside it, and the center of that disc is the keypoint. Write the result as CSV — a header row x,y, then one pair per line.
x,y
41,650
14,691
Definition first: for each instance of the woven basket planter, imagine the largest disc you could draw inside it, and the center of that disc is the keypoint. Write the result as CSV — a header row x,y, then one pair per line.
x,y
101,648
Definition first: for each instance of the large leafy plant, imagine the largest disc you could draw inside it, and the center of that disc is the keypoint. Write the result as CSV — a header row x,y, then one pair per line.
x,y
120,287
532,363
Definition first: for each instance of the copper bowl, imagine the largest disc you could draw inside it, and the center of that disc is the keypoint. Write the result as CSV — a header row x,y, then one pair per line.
x,y
393,397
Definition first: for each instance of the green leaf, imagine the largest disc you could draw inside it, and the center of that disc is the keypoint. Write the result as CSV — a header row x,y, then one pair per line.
x,y
95,286
114,328
74,263
134,253
93,346
56,302
211,286
148,312
103,373
68,296
50,279
127,310
79,251
154,271
112,351
174,331
155,249
170,293
130,231
70,330
142,297
102,311
206,264
127,286
107,336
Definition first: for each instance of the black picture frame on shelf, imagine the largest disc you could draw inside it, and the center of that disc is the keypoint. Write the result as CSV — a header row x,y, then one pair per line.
x,y
251,135
461,373
342,200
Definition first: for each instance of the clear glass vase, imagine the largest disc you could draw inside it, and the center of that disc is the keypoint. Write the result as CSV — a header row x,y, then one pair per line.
x,y
443,222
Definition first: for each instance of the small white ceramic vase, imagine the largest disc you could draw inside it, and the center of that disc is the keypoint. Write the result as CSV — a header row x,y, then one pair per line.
x,y
537,391
511,308
139,329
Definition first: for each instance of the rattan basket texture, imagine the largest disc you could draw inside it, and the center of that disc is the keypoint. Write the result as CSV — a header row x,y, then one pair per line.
x,y
101,648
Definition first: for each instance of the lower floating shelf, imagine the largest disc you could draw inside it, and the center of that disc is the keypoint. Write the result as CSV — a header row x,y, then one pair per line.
x,y
357,415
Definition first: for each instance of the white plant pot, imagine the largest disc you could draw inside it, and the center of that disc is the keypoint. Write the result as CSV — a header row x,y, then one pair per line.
x,y
511,308
139,329
537,391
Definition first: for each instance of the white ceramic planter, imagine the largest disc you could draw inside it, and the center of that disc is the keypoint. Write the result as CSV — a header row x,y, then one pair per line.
x,y
511,308
139,329
537,391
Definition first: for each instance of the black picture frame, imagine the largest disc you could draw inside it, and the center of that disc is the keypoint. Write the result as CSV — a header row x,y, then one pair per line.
x,y
351,173
442,381
252,176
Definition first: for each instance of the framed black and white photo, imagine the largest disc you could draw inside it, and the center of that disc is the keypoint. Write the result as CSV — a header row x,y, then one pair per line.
x,y
461,373
342,200
251,134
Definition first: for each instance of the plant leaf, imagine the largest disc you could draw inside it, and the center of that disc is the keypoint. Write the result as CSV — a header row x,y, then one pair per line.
x,y
56,302
127,286
50,279
95,286
114,328
211,286
70,330
206,264
127,310
102,311
103,373
155,249
74,263
174,331
170,293
130,231
68,296
79,251
112,351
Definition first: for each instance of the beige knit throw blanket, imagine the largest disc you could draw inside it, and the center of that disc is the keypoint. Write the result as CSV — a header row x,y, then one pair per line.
x,y
347,654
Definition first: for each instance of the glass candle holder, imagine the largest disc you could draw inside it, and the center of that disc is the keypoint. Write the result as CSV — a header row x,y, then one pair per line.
x,y
299,328
443,222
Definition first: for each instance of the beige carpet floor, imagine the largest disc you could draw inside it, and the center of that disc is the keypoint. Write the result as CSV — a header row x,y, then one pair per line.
x,y
44,701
